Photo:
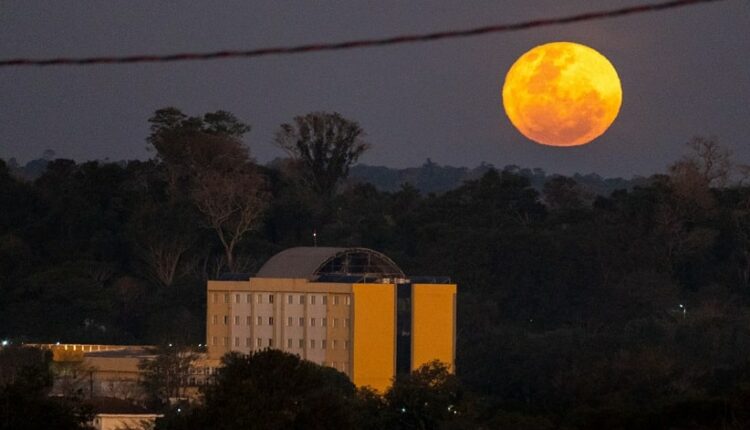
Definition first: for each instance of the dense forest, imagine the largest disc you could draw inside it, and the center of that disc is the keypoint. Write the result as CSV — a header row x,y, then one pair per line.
x,y
577,309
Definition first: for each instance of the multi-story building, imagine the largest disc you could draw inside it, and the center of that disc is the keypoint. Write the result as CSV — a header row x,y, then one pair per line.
x,y
349,308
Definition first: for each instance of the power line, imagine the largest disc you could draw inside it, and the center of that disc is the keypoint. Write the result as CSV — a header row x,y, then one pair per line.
x,y
353,44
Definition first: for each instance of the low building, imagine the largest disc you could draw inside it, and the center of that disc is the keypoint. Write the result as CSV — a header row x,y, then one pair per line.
x,y
352,309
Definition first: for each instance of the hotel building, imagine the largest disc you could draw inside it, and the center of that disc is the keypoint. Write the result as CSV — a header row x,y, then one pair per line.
x,y
349,308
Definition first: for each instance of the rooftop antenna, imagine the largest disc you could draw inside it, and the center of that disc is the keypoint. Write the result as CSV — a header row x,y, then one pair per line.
x,y
315,238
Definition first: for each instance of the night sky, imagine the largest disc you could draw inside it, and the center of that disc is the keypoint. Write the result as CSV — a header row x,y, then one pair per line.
x,y
684,72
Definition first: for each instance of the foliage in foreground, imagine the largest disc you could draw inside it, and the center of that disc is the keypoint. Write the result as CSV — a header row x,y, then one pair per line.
x,y
272,389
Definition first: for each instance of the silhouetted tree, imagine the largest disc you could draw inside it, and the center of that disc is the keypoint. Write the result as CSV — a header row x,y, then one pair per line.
x,y
326,145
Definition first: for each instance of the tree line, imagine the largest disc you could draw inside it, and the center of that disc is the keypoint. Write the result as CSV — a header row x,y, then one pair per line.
x,y
575,310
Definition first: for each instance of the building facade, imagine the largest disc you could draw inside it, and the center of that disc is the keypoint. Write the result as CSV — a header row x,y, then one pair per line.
x,y
352,309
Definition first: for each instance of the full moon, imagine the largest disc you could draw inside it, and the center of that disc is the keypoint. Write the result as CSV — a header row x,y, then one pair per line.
x,y
562,94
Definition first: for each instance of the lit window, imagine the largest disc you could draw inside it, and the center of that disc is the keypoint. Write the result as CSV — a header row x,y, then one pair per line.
x,y
312,343
312,322
289,321
333,344
312,300
290,299
215,319
270,343
348,300
302,343
324,321
270,298
236,298
226,298
323,344
249,320
325,300
259,342
270,320
335,300
302,299
260,321
226,319
236,341
301,321
289,343
236,320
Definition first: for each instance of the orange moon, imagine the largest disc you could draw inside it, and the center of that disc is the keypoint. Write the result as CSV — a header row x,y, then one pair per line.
x,y
562,94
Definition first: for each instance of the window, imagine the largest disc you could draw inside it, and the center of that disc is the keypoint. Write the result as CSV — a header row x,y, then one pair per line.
x,y
260,321
325,300
302,343
226,297
249,298
312,343
259,342
302,299
226,319
348,300
270,320
215,319
289,321
346,322
289,343
324,322
249,320
236,320
270,298
335,322
301,321
226,341
335,300
214,297
312,300
270,343
346,344
236,298
333,364
312,322
260,298
213,340
248,342
323,343
236,341
290,299
333,345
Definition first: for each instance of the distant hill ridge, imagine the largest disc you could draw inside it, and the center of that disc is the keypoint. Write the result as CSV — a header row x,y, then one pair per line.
x,y
431,177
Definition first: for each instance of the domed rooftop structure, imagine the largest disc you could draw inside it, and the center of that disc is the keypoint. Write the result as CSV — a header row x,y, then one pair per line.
x,y
326,264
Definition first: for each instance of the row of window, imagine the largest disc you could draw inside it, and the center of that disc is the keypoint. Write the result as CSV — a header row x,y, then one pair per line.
x,y
261,343
289,321
301,298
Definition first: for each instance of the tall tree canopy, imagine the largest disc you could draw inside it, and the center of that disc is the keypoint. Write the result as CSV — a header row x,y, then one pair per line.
x,y
326,145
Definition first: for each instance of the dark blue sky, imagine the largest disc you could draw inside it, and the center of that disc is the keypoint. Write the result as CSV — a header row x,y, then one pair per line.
x,y
684,72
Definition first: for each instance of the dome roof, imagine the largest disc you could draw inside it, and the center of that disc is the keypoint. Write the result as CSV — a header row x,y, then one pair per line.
x,y
316,262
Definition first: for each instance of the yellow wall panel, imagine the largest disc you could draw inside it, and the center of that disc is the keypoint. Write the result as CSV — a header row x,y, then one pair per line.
x,y
433,324
374,335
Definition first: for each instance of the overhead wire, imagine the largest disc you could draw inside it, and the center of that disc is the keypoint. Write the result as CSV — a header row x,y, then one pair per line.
x,y
352,44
